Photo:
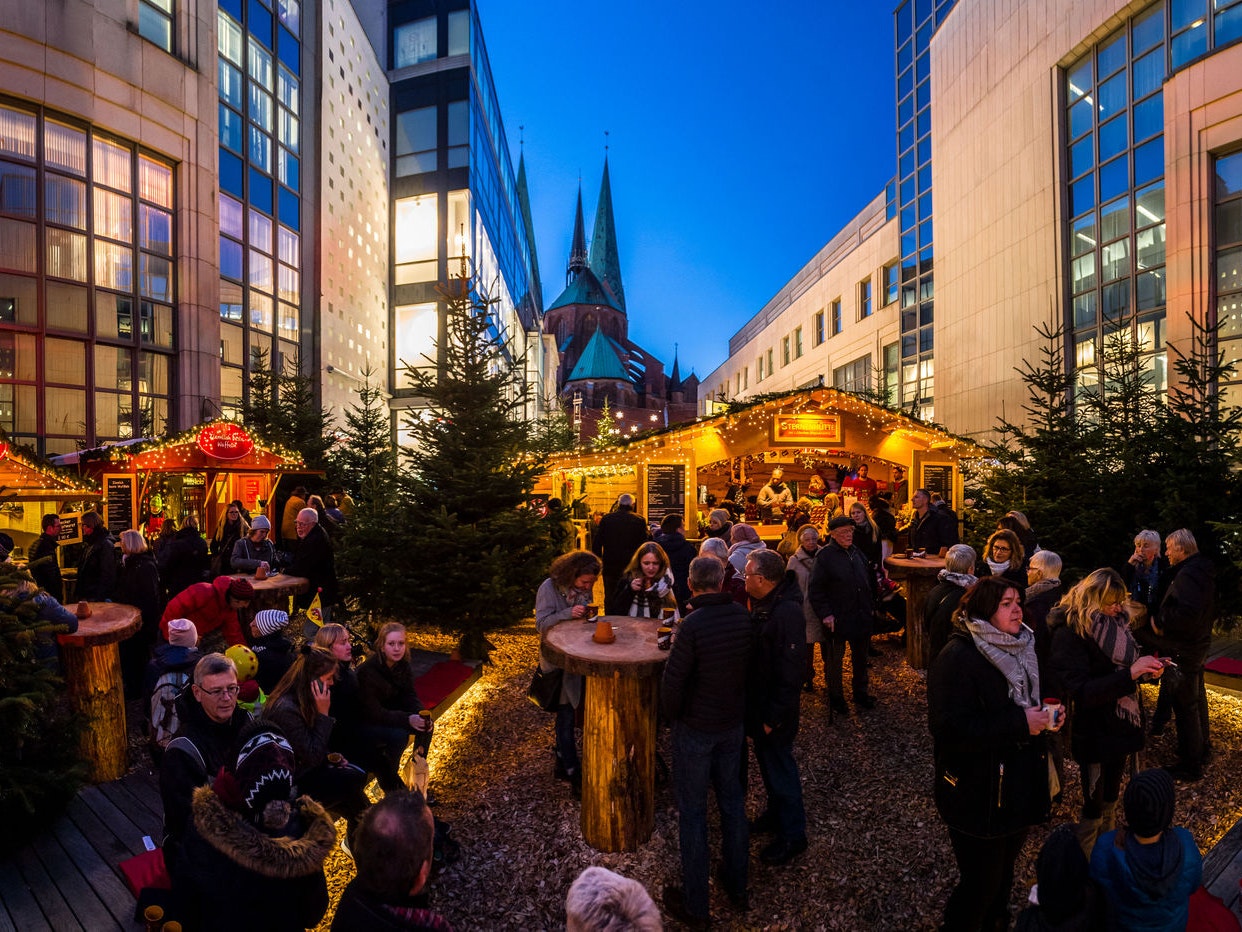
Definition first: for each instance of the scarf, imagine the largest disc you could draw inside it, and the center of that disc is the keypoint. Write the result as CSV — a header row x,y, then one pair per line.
x,y
1039,588
1013,656
648,602
998,569
1114,639
965,580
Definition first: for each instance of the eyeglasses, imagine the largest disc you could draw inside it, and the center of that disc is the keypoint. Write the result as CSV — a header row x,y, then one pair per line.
x,y
230,691
751,574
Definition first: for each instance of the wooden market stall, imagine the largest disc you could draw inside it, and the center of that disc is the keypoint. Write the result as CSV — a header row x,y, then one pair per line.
x,y
198,472
821,432
29,489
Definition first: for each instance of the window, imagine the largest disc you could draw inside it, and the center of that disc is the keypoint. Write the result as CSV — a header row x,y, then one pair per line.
x,y
817,328
415,242
459,32
892,282
854,376
768,360
759,368
835,309
1227,271
416,141
785,356
745,377
892,386
414,42
155,22
414,335
797,341
864,298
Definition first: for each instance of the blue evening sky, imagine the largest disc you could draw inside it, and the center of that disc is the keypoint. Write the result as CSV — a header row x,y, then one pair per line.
x,y
742,137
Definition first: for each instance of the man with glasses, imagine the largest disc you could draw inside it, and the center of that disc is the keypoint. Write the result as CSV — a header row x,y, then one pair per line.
x,y
47,573
210,721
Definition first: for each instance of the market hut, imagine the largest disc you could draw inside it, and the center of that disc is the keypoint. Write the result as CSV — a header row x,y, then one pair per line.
x,y
198,472
29,489
820,432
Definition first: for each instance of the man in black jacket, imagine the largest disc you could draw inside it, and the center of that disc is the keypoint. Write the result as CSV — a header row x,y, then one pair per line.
x,y
47,573
313,559
842,592
1183,628
775,699
931,529
680,552
97,571
710,658
619,534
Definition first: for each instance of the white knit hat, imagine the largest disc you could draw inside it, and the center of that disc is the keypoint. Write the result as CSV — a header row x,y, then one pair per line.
x,y
182,633
270,620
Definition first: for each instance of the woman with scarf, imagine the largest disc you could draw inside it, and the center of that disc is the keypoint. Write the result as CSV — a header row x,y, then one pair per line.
x,y
991,779
743,541
646,586
232,527
564,596
1003,556
1095,667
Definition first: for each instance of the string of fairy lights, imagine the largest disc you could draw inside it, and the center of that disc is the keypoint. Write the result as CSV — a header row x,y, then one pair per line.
x,y
182,451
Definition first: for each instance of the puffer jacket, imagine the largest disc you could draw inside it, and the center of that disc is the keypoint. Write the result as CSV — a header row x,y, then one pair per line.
x,y
775,696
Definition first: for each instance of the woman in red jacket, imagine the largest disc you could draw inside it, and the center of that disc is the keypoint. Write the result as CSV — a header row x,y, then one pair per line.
x,y
211,605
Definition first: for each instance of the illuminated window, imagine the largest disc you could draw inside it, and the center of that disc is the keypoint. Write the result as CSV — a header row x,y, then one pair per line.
x,y
892,274
415,239
414,335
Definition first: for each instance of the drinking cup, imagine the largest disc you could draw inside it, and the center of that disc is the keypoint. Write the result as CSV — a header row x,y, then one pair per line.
x,y
1053,708
603,632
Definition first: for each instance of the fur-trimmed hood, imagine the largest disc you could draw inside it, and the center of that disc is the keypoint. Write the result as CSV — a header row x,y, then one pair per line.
x,y
277,857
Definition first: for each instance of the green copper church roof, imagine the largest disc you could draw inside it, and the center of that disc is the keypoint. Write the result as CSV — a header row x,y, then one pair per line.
x,y
600,360
585,289
605,262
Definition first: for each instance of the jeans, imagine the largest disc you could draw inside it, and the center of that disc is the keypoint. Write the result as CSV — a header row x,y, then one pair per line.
x,y
566,746
835,647
701,759
981,898
784,788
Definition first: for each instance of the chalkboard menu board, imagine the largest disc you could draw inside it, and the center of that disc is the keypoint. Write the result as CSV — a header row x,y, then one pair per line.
x,y
70,528
939,478
666,491
119,502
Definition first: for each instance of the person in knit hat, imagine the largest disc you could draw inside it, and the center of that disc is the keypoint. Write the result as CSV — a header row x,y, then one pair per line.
x,y
254,851
1067,900
274,650
212,606
600,899
182,633
1149,869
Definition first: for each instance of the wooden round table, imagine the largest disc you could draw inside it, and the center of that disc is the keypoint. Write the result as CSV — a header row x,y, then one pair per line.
x,y
274,592
919,574
618,735
91,659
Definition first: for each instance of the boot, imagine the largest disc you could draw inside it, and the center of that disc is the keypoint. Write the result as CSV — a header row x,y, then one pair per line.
x,y
1087,831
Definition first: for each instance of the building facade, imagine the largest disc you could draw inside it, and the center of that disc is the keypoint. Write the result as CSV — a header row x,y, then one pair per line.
x,y
1083,159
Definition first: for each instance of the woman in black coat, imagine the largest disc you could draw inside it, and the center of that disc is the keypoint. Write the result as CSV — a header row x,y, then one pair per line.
x,y
138,585
232,528
183,560
390,705
1095,667
987,724
97,571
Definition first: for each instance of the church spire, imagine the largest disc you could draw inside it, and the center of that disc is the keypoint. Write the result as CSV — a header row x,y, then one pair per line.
x,y
674,382
605,262
578,251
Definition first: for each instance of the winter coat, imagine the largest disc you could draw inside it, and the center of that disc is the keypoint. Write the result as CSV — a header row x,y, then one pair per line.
x,y
865,541
1040,598
619,534
182,771
139,585
47,574
886,524
238,877
1015,574
183,561
991,773
680,552
710,660
222,546
1089,684
938,611
97,571
309,742
313,559
207,605
802,564
775,693
843,585
346,708
1187,610
167,658
387,694
932,532
276,656
552,608
1139,585
1147,887
247,555
289,519
650,600
363,911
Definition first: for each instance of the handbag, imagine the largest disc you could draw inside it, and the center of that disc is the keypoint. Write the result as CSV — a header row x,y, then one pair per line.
x,y
545,688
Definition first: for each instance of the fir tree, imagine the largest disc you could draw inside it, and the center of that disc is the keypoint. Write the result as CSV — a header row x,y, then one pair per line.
x,y
39,765
365,458
281,407
606,432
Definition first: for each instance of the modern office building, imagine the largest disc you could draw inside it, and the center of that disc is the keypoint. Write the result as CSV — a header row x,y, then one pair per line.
x,y
1075,164
190,186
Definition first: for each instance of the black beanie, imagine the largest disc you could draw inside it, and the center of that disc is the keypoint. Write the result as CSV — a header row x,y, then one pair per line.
x,y
1149,803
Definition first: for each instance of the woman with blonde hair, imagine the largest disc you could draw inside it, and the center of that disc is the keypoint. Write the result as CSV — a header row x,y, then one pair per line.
x,y
231,528
391,709
832,507
1094,667
646,585
139,585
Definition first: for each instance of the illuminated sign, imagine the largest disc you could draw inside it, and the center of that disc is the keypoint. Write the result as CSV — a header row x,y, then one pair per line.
x,y
807,429
225,441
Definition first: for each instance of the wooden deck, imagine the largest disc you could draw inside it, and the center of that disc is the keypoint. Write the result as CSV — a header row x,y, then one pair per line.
x,y
68,879
1222,867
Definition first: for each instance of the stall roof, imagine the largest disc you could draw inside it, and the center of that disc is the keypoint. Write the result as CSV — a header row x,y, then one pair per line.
x,y
865,430
215,445
24,480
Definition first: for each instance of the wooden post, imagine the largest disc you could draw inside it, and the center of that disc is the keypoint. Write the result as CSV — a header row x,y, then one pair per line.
x,y
94,677
618,751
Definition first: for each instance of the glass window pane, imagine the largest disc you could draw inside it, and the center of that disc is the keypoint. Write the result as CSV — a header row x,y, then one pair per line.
x,y
261,275
1114,177
458,123
1084,310
17,356
459,32
229,37
287,168
155,229
416,130
230,128
1148,29
1228,26
113,316
261,312
114,215
1084,236
1149,117
1082,196
17,133
1084,273
64,361
1228,223
18,300
1080,118
1114,219
1149,247
17,190
1112,99
260,62
231,308
1149,205
156,277
231,85
287,88
64,147
114,266
1116,300
64,200
18,246
1189,45
153,373
414,42
1112,55
1078,80
287,323
1184,12
1229,175
154,181
64,411
1149,161
66,254
287,244
260,231
66,304
1082,156
260,149
1148,73
261,108
1115,260
290,13
416,225
1112,137
1150,287
289,130
288,283
111,165
162,332
230,216
1229,315
1229,270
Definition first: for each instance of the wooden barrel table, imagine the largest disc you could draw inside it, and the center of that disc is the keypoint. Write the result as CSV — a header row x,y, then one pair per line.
x,y
618,736
920,575
91,659
275,590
